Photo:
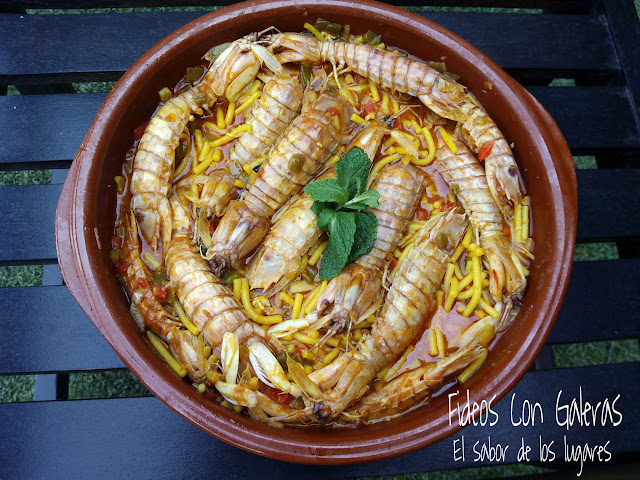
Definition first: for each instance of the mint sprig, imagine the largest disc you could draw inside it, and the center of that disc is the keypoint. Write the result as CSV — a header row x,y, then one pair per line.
x,y
339,205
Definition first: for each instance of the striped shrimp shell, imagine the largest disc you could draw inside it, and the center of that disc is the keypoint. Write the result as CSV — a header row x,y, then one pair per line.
x,y
277,106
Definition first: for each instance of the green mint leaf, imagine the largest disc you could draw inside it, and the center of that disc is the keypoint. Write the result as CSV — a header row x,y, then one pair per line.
x,y
342,228
352,171
327,190
318,207
368,198
365,236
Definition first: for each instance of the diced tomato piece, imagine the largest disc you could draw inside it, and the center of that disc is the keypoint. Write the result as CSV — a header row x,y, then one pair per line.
x,y
369,108
121,267
160,292
143,282
447,206
393,264
139,131
116,241
485,150
422,213
278,396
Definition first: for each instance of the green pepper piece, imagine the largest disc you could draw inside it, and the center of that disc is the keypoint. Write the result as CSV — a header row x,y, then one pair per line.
x,y
371,38
194,74
200,98
306,73
453,76
346,32
165,94
439,66
181,151
322,24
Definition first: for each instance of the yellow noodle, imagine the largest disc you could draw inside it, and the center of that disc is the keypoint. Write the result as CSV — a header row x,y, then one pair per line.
x,y
473,368
220,118
448,276
398,365
184,319
477,287
440,342
252,98
433,343
381,163
198,136
465,295
317,252
374,91
440,297
517,222
451,296
333,159
385,103
301,337
356,118
231,113
312,299
286,298
457,253
447,139
524,234
488,308
201,167
328,358
255,316
300,286
162,350
297,305
237,288
153,263
314,30
466,241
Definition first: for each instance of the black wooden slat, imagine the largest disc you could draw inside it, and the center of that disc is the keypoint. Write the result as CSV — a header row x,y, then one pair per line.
x,y
592,117
57,48
589,117
566,6
606,199
625,30
44,128
152,442
28,223
608,204
45,330
602,302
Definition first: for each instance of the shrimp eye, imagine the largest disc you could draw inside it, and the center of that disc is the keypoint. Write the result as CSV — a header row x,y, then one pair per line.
x,y
442,241
512,171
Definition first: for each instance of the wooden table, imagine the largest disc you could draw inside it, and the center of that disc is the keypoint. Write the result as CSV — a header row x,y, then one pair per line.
x,y
46,333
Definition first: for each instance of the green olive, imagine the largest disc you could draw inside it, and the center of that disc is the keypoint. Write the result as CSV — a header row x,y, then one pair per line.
x,y
296,163
115,255
160,278
442,241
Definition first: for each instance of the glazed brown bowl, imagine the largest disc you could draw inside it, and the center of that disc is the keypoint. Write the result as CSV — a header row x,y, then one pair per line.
x,y
85,218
